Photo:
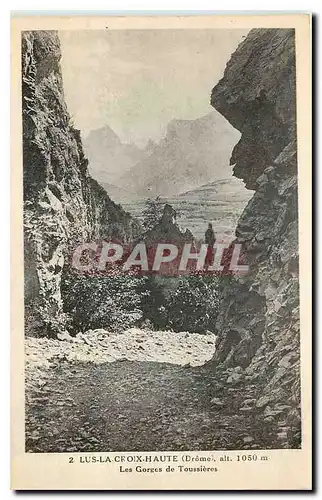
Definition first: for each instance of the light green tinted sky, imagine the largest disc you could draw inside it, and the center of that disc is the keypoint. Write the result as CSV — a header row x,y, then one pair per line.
x,y
136,81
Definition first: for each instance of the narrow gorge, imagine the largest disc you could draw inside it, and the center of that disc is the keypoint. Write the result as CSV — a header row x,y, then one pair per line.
x,y
238,387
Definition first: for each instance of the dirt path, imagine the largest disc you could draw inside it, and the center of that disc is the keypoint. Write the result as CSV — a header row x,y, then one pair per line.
x,y
131,405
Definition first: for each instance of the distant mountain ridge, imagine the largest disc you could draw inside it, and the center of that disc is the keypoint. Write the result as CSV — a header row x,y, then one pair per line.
x,y
193,152
228,189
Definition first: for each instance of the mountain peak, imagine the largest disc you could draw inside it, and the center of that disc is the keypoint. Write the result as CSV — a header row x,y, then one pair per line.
x,y
105,133
193,152
108,157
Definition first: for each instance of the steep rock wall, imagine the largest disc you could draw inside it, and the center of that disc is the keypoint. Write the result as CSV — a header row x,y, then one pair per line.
x,y
63,205
257,96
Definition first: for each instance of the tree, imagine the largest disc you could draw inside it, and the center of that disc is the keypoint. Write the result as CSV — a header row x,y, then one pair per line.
x,y
152,212
112,302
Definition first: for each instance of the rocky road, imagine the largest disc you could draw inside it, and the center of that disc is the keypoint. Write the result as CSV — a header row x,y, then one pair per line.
x,y
76,401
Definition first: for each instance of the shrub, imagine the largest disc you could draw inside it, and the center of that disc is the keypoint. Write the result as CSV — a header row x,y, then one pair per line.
x,y
110,302
193,305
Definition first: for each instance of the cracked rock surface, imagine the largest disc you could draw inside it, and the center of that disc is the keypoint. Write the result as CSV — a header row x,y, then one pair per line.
x,y
258,326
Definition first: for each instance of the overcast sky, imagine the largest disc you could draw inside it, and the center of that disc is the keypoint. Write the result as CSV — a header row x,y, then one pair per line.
x,y
136,81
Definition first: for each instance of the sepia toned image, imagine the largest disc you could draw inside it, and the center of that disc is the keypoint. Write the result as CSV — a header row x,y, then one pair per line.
x,y
161,270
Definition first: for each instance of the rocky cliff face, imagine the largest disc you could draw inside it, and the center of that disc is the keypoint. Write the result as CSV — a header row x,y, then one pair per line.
x,y
63,205
259,337
257,96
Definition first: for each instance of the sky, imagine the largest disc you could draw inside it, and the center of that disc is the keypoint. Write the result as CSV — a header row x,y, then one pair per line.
x,y
137,81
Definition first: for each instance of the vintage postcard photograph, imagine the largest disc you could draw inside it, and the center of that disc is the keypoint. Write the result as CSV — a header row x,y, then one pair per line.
x,y
161,183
